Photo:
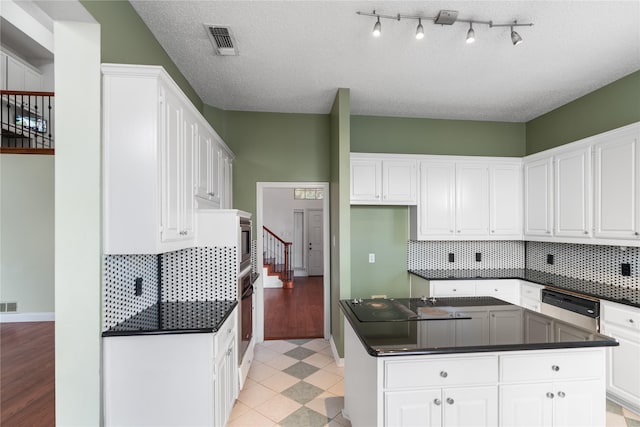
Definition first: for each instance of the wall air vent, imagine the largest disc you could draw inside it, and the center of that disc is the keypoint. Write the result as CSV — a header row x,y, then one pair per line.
x,y
222,40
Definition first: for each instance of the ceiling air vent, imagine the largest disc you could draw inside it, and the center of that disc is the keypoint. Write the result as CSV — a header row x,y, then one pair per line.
x,y
222,40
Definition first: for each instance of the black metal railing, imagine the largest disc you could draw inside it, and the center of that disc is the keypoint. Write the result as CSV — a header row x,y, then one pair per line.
x,y
27,119
277,254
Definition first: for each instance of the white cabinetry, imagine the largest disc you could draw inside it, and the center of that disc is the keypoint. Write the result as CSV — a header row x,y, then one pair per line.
x,y
153,138
462,199
623,369
572,187
505,289
3,71
537,197
530,295
383,179
20,76
171,379
617,186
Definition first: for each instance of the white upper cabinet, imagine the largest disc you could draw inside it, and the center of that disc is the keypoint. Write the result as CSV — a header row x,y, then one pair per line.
x,y
472,199
572,202
436,206
20,76
617,192
537,197
3,71
151,164
505,200
381,179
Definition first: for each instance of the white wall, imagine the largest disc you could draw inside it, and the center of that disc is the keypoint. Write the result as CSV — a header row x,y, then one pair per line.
x,y
78,246
279,205
26,231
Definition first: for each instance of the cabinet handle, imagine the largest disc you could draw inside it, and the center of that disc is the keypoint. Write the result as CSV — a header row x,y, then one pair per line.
x,y
548,232
455,290
437,402
636,233
630,320
586,232
450,231
550,395
444,374
561,394
555,368
450,401
458,231
495,290
493,231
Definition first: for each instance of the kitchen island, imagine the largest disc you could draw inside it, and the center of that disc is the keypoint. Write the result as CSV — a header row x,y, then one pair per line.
x,y
467,361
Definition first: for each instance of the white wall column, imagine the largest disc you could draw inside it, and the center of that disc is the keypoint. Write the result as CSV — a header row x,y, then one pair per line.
x,y
77,224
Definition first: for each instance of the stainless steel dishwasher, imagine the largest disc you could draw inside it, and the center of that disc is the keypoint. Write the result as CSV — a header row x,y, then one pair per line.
x,y
572,309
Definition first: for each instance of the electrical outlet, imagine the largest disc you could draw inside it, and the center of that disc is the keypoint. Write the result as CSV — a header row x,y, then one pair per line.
x,y
625,269
452,258
478,257
372,258
138,286
550,259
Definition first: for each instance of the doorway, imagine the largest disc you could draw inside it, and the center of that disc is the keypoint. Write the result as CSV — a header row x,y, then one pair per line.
x,y
306,225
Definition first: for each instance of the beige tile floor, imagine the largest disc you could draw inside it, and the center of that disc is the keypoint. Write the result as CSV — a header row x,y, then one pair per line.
x,y
297,383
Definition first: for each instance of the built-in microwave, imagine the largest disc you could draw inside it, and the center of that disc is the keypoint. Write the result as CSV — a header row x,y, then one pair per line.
x,y
245,242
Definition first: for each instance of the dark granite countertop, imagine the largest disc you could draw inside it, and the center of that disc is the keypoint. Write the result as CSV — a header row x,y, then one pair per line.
x,y
406,327
177,317
603,291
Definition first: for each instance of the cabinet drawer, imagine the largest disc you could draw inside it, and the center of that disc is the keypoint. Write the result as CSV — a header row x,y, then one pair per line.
x,y
622,316
530,291
496,288
530,304
440,372
226,332
453,288
556,366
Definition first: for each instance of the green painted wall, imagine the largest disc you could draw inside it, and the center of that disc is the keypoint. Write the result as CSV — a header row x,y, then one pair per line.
x,y
388,275
273,147
217,118
609,107
340,213
432,136
126,39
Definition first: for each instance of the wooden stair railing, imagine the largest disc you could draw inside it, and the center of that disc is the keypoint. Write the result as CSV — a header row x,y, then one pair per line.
x,y
26,122
277,257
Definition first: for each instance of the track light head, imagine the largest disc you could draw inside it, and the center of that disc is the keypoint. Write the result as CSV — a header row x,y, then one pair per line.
x,y
420,30
471,35
515,37
377,28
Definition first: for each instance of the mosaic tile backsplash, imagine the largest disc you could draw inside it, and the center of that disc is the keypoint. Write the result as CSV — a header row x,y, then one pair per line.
x,y
434,255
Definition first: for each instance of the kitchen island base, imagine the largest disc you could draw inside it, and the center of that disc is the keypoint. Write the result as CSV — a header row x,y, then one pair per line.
x,y
546,387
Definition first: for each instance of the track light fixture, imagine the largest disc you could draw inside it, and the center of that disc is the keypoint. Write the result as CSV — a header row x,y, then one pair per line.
x,y
471,35
420,30
377,28
445,17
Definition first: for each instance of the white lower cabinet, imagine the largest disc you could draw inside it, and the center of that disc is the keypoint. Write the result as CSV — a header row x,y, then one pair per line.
x,y
504,289
475,406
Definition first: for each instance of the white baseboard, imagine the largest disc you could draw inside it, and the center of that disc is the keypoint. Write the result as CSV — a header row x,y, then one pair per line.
x,y
27,317
339,360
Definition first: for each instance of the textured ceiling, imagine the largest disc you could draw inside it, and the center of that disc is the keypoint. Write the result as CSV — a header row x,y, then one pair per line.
x,y
295,54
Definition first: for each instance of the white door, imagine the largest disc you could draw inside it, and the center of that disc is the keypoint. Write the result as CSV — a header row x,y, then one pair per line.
x,y
437,201
315,233
537,197
172,136
623,369
470,406
505,200
579,404
526,405
365,180
203,153
472,199
399,181
413,408
187,181
572,204
616,188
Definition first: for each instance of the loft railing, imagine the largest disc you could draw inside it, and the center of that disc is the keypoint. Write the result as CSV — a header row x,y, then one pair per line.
x,y
277,255
27,120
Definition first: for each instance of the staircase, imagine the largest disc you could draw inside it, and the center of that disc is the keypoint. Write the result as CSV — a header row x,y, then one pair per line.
x,y
26,122
276,258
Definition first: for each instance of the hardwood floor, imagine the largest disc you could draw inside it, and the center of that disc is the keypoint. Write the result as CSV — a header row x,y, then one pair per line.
x,y
295,313
27,378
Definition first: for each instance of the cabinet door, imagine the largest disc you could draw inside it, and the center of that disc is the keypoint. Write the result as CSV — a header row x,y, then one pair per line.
x,y
470,406
473,331
579,404
623,368
32,80
565,332
413,408
3,71
505,326
203,147
537,328
537,197
472,199
505,200
572,213
226,186
366,178
440,333
172,141
526,405
15,74
399,181
437,189
187,181
213,187
221,390
616,188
